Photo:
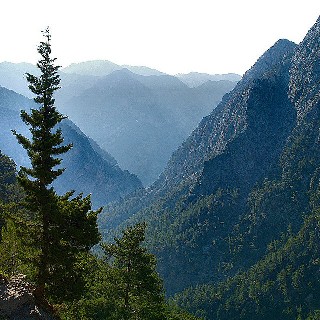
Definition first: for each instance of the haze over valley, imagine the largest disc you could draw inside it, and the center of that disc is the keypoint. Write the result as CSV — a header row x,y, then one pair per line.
x,y
139,117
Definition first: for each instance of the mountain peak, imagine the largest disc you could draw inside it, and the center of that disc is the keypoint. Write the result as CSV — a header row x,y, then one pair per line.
x,y
104,67
92,67
273,56
304,86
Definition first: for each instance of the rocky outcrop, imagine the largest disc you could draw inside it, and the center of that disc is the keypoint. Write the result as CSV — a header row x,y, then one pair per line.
x,y
304,86
17,301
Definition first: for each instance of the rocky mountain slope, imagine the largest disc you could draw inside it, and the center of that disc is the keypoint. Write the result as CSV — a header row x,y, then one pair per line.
x,y
280,227
243,175
228,121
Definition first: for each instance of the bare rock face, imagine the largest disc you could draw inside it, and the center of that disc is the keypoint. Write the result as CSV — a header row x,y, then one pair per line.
x,y
17,301
304,85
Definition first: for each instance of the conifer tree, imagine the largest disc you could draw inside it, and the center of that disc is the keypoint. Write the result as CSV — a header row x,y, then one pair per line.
x,y
137,286
60,228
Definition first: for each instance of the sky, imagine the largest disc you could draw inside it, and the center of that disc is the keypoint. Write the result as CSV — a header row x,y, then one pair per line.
x,y
173,36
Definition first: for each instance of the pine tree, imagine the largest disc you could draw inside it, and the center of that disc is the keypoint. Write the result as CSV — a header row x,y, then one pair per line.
x,y
137,285
60,228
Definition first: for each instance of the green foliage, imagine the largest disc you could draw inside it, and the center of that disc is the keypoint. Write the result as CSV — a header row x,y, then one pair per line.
x,y
73,233
8,180
123,284
54,230
97,300
9,250
282,285
176,313
10,193
137,285
314,315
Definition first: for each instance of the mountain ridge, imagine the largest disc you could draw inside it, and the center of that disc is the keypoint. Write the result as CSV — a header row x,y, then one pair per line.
x,y
167,110
202,194
195,79
141,119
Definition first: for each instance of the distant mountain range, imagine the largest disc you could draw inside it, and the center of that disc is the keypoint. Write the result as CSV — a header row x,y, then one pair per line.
x,y
138,114
102,68
89,169
195,79
141,119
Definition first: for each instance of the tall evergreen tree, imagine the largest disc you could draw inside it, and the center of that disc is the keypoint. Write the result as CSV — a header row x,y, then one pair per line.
x,y
61,228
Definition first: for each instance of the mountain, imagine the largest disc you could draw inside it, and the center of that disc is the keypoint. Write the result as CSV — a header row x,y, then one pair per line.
x,y
278,233
195,79
140,128
141,119
282,285
241,179
228,121
234,218
89,169
143,71
105,67
92,68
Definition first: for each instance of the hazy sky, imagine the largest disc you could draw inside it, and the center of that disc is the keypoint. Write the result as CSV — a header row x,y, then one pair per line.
x,y
173,36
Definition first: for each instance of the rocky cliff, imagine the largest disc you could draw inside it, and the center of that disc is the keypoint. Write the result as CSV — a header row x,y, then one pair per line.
x,y
18,303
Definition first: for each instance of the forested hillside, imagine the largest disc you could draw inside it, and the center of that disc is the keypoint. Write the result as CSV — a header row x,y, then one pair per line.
x,y
246,175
